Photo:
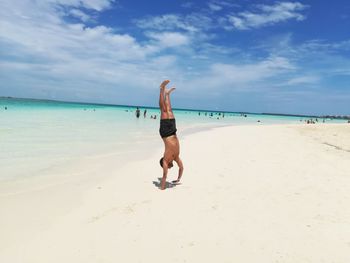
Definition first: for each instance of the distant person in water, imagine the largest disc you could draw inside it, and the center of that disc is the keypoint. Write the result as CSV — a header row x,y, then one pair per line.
x,y
137,112
145,113
167,131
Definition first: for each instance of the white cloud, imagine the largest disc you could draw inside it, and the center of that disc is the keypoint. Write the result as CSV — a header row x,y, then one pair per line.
x,y
317,45
219,5
247,73
192,23
169,39
214,7
172,30
165,22
79,14
267,15
97,5
302,80
47,56
230,77
49,11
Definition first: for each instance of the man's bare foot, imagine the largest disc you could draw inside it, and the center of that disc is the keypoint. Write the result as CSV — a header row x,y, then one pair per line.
x,y
164,83
176,181
168,91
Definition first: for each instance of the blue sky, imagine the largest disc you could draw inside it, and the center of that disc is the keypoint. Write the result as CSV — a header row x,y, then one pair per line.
x,y
240,55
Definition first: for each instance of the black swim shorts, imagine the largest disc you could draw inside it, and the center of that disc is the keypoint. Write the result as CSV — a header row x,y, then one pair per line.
x,y
167,127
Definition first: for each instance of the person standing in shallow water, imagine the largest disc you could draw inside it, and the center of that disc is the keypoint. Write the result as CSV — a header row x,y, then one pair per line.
x,y
137,112
167,131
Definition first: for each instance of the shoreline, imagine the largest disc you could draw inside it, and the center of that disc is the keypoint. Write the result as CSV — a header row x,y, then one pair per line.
x,y
78,163
253,193
339,116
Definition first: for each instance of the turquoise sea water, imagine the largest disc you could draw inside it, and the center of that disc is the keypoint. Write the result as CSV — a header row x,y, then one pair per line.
x,y
37,137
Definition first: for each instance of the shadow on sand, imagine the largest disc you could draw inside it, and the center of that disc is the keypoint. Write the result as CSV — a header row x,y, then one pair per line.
x,y
167,185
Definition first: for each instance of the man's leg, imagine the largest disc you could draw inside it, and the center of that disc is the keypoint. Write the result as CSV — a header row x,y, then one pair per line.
x,y
162,105
167,100
168,113
164,101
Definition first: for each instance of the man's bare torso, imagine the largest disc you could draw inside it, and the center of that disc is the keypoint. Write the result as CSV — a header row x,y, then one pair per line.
x,y
172,148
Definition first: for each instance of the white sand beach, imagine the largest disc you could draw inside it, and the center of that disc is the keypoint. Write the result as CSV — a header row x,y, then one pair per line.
x,y
254,193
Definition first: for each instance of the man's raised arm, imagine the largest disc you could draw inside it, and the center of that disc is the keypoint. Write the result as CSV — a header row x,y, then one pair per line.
x,y
181,169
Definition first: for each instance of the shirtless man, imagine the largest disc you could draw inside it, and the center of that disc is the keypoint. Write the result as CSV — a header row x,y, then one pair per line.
x,y
167,131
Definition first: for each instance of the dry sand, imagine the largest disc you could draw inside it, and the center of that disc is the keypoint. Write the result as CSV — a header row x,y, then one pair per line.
x,y
278,193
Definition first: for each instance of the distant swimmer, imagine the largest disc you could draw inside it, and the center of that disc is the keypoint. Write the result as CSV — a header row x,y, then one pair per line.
x,y
137,112
145,113
167,131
